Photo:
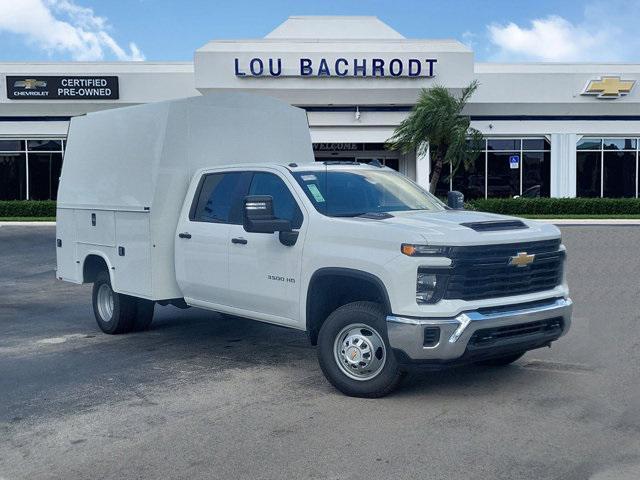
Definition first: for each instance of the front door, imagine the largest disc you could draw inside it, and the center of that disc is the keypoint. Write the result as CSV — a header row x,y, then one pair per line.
x,y
202,237
264,273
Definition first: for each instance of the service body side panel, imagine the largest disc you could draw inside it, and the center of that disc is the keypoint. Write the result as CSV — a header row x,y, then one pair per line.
x,y
67,268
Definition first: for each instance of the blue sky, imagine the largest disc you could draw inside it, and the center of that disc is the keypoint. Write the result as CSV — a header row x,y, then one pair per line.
x,y
497,30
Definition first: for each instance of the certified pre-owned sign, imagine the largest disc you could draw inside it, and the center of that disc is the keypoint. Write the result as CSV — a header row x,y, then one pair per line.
x,y
62,88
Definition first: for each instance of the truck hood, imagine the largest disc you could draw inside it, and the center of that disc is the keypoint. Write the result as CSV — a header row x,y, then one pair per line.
x,y
446,227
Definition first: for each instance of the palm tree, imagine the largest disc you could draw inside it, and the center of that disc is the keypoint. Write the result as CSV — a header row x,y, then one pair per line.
x,y
436,122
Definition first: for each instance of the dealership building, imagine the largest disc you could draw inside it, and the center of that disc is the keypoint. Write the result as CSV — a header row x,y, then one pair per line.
x,y
551,129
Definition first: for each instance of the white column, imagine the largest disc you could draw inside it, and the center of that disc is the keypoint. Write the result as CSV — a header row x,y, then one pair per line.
x,y
423,167
563,164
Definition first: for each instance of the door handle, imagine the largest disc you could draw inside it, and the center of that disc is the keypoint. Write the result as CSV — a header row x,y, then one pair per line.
x,y
184,235
240,240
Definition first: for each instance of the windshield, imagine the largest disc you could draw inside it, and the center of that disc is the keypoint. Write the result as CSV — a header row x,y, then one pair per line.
x,y
349,193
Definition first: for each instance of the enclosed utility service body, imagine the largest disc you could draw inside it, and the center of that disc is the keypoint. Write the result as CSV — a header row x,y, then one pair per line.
x,y
216,202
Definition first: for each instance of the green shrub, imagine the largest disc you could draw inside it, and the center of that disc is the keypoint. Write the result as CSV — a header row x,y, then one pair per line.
x,y
27,208
557,206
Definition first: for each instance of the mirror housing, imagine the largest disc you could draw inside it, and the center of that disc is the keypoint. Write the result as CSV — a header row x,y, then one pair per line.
x,y
258,216
455,200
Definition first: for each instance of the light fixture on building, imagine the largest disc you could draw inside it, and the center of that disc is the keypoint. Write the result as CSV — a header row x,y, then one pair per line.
x,y
357,113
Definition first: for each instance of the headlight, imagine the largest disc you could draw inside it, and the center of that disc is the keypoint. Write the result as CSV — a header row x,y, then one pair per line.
x,y
429,287
413,250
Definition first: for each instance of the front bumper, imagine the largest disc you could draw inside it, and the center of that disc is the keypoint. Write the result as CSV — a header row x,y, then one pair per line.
x,y
456,341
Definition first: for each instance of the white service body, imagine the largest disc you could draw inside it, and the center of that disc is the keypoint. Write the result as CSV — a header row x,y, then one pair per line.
x,y
131,167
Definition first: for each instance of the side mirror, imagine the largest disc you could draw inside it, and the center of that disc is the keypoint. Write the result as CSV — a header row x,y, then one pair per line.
x,y
455,200
259,218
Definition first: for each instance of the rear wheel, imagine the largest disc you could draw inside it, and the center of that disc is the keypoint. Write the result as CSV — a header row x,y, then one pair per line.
x,y
117,313
501,361
354,352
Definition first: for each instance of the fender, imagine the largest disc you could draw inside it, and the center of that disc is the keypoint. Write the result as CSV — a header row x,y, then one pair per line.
x,y
347,273
110,267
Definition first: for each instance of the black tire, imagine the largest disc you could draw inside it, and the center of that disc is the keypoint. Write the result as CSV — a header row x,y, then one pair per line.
x,y
501,361
144,314
371,315
123,312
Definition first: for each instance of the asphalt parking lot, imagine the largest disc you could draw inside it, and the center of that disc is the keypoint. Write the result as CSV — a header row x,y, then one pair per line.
x,y
200,396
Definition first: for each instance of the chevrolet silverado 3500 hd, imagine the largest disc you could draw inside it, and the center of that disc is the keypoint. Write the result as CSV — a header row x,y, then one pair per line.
x,y
216,202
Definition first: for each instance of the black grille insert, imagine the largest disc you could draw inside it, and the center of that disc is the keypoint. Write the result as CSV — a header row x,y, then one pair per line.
x,y
480,272
551,328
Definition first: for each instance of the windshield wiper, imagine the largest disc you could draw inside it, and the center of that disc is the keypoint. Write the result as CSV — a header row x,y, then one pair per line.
x,y
373,215
353,214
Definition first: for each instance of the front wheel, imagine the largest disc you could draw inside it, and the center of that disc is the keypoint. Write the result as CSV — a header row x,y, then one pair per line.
x,y
354,352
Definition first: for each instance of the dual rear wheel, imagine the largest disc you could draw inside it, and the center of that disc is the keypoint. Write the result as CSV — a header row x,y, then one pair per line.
x,y
117,313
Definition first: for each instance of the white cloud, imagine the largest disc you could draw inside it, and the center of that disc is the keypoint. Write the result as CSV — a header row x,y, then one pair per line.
x,y
597,37
61,26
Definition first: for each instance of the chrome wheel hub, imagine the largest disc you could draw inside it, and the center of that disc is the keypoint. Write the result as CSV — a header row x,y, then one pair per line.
x,y
105,302
359,351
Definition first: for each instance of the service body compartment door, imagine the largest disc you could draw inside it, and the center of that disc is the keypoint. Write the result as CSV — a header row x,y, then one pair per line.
x,y
132,274
96,227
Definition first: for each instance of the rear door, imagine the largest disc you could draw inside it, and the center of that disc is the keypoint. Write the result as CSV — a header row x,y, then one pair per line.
x,y
202,237
264,273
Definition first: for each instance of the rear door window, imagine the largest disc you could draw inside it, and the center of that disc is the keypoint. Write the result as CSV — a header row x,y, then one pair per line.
x,y
219,198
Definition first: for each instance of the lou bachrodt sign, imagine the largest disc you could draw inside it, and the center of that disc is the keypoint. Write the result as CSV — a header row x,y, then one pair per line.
x,y
62,88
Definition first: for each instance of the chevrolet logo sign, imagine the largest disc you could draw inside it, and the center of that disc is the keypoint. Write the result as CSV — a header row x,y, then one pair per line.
x,y
609,87
30,84
521,259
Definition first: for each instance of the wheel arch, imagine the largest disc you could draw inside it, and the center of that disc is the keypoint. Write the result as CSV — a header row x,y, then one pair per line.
x,y
332,287
94,263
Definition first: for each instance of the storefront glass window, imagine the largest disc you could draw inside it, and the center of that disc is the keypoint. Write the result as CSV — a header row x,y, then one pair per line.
x,y
607,167
619,144
590,144
11,145
44,172
13,176
619,174
588,174
503,179
537,181
44,145
471,181
512,144
513,167
536,144
30,168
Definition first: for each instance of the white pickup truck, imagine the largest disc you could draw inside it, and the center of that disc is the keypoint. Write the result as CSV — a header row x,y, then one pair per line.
x,y
216,202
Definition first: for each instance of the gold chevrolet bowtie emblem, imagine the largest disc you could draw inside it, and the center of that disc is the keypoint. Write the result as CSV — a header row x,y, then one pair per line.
x,y
30,84
521,259
609,87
